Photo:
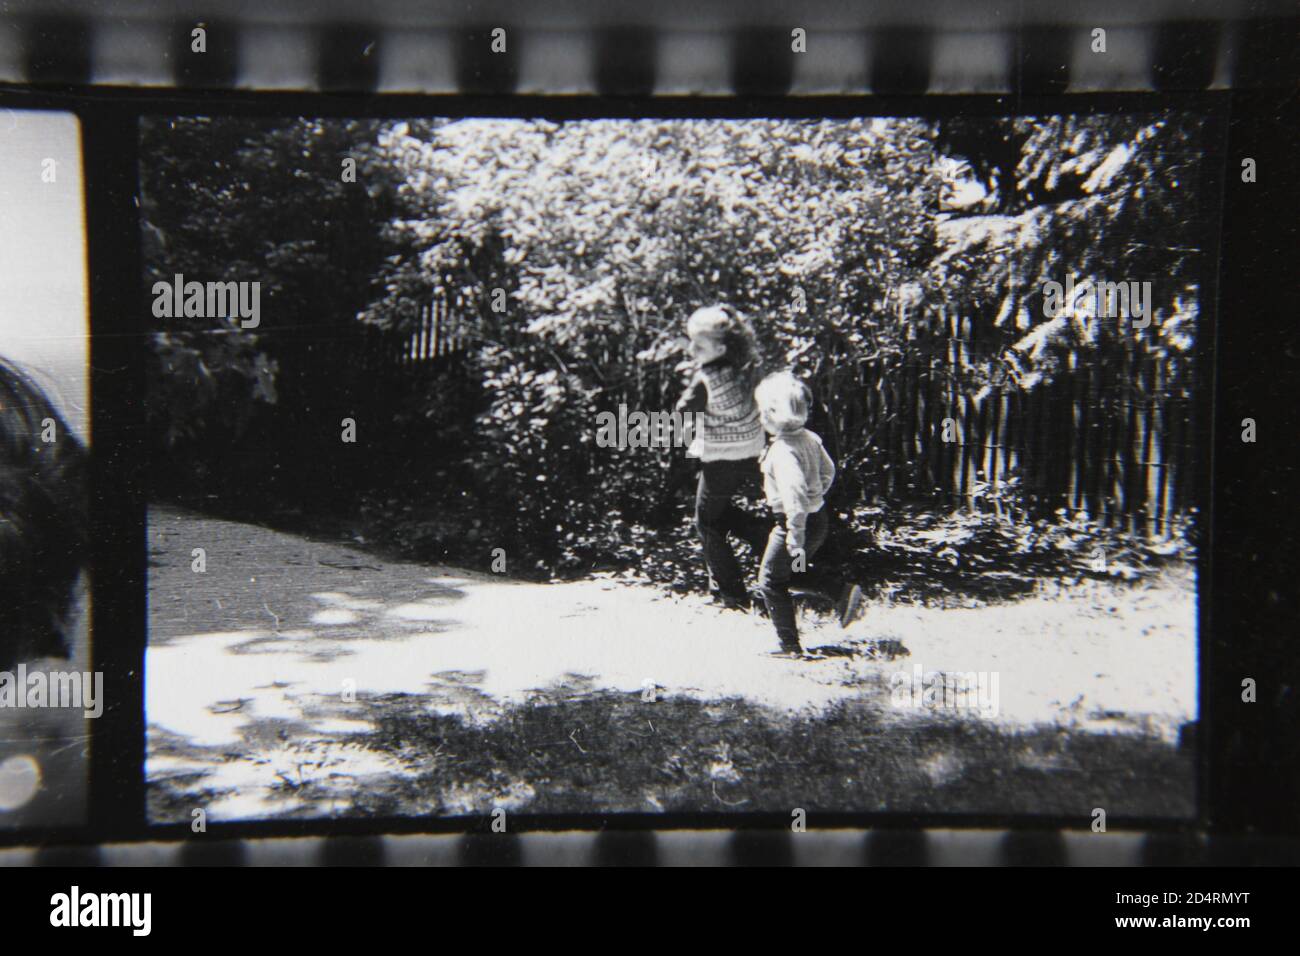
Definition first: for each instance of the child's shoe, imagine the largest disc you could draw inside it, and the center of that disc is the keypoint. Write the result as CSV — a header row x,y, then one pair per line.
x,y
730,602
850,605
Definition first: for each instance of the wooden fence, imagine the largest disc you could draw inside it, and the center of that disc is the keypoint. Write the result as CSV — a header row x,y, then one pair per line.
x,y
1109,439
436,335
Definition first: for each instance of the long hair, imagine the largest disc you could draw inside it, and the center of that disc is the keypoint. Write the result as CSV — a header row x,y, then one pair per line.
x,y
736,334
43,516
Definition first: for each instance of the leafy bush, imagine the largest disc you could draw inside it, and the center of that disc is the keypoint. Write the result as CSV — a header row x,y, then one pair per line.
x,y
571,253
604,236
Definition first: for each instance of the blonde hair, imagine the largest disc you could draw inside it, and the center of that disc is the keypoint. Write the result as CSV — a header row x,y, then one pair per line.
x,y
784,399
726,325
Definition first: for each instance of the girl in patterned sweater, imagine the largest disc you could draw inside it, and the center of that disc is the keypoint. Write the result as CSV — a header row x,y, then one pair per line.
x,y
728,440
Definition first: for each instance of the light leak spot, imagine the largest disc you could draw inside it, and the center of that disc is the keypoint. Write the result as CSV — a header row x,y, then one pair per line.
x,y
20,778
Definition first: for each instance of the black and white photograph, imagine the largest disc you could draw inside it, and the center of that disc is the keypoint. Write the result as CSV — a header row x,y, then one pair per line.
x,y
49,694
600,466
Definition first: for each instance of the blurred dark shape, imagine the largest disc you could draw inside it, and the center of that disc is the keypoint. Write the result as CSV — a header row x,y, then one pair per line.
x,y
43,521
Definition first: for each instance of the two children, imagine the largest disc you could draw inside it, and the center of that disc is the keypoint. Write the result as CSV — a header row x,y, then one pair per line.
x,y
796,470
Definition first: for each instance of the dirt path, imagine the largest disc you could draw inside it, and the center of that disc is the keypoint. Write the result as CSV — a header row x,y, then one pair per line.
x,y
267,653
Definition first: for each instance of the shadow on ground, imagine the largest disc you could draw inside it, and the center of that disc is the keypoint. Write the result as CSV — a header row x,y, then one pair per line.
x,y
251,716
572,751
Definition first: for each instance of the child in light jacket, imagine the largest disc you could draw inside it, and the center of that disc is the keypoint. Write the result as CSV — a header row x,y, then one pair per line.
x,y
797,474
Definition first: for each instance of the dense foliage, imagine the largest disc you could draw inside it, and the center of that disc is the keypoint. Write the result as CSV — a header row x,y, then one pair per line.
x,y
258,201
604,236
1107,197
573,252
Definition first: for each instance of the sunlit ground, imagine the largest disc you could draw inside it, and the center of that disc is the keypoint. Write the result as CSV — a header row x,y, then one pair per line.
x,y
299,678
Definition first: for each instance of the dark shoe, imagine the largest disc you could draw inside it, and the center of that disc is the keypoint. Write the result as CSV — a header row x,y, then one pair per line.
x,y
850,605
814,598
731,602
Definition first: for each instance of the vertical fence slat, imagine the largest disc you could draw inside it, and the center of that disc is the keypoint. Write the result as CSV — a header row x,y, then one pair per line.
x,y
1052,416
1007,437
912,402
1148,427
1094,446
1076,427
1173,444
1158,450
432,347
417,342
1186,477
438,330
943,415
958,416
442,322
1106,464
1109,436
1124,439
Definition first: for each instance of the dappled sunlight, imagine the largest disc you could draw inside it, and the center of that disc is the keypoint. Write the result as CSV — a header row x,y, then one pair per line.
x,y
282,716
335,616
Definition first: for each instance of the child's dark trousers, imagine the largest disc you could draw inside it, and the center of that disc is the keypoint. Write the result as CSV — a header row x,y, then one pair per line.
x,y
716,516
774,578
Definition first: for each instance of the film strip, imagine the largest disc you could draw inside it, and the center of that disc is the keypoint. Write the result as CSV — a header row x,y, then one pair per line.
x,y
279,51
1248,49
936,847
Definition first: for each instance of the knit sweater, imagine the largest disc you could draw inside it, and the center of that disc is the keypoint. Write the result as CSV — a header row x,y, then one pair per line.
x,y
797,473
727,428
